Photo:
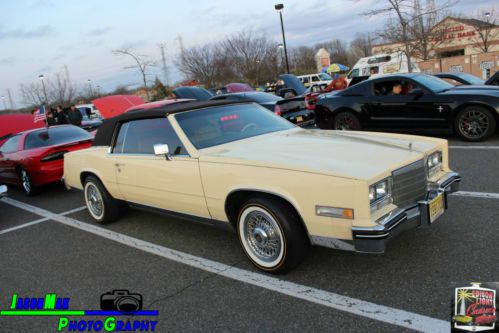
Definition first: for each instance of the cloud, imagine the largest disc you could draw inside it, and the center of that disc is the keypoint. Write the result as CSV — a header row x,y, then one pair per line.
x,y
43,4
99,31
44,70
22,33
8,61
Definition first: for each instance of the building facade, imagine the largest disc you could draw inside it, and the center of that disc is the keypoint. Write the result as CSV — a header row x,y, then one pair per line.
x,y
457,45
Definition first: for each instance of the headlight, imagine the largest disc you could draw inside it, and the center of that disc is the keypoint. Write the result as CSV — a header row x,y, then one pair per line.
x,y
380,193
434,163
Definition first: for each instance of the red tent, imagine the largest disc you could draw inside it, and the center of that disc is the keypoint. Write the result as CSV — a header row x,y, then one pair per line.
x,y
11,124
111,106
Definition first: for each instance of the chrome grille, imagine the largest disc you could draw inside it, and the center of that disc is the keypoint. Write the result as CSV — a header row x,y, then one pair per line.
x,y
409,184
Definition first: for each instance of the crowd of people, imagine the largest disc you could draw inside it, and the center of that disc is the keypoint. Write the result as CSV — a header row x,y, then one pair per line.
x,y
62,116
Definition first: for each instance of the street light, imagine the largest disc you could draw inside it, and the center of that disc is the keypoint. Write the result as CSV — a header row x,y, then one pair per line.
x,y
279,7
41,77
281,47
90,87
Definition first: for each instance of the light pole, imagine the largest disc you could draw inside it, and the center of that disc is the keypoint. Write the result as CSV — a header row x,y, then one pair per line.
x,y
281,47
279,8
4,104
90,87
98,90
41,77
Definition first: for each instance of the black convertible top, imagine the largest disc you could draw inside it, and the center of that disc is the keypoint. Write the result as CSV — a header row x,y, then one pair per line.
x,y
105,132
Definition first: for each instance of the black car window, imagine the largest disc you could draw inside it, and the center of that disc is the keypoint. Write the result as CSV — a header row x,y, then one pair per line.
x,y
394,88
10,145
140,136
55,136
315,79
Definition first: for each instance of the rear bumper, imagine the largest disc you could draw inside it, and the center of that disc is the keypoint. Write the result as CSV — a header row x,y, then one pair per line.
x,y
374,239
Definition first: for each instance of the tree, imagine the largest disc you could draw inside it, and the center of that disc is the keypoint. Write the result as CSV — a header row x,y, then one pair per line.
x,y
485,31
302,59
142,63
160,92
60,90
409,24
337,48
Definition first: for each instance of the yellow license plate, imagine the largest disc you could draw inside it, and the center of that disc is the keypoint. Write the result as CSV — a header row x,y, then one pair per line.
x,y
299,119
436,207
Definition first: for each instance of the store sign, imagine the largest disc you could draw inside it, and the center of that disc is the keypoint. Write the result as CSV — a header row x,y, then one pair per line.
x,y
457,32
456,68
487,65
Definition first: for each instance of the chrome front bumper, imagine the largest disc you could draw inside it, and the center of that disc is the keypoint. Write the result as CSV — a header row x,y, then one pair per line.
x,y
374,239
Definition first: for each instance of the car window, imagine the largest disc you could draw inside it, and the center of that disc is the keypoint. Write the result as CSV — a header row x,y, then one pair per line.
x,y
315,78
394,88
305,80
10,145
451,81
218,125
353,73
140,136
55,136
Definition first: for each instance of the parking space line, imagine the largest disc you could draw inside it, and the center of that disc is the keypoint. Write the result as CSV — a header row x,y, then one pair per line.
x,y
473,147
476,194
335,301
5,231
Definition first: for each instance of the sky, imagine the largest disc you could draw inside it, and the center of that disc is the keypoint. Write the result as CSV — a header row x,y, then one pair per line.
x,y
42,36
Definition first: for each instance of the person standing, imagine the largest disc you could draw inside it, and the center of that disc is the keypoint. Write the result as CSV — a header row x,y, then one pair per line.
x,y
60,115
74,116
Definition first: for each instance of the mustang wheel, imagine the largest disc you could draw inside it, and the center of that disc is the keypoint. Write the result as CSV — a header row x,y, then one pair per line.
x,y
100,204
475,123
271,235
346,121
27,185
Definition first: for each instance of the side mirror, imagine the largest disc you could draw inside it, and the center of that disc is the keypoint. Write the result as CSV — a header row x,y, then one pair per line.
x,y
3,190
161,149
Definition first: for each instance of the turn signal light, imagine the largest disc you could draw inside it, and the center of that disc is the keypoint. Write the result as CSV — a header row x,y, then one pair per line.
x,y
343,213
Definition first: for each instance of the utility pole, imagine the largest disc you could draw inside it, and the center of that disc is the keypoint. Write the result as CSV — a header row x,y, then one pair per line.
x,y
11,101
165,67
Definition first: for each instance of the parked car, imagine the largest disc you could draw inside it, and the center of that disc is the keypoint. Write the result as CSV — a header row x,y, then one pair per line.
x,y
493,80
89,110
381,64
34,158
197,93
3,191
298,115
424,103
233,88
278,186
315,79
460,78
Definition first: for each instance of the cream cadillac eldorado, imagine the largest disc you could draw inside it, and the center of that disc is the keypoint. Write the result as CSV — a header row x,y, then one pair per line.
x,y
280,187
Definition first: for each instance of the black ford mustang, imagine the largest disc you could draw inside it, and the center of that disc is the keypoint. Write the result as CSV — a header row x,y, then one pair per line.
x,y
411,102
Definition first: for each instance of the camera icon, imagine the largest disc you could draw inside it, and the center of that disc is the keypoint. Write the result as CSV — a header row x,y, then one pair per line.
x,y
122,301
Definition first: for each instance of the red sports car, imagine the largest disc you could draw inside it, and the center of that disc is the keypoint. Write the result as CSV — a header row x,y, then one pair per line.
x,y
36,157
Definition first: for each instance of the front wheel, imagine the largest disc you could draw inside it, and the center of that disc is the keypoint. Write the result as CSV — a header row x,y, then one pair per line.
x,y
100,204
346,121
271,235
475,123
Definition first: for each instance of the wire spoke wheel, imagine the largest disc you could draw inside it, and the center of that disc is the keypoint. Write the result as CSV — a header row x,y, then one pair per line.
x,y
261,236
95,203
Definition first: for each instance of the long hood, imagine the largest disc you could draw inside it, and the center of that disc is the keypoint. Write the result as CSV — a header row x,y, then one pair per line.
x,y
354,155
473,91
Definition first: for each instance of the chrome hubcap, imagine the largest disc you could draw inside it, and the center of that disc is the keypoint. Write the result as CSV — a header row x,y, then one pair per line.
x,y
94,201
474,124
263,236
26,181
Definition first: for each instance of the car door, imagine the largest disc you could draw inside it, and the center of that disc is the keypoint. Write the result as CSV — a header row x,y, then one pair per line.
x,y
8,151
154,181
412,107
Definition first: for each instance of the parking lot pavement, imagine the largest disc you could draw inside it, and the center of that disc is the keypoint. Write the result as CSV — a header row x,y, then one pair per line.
x,y
187,299
417,273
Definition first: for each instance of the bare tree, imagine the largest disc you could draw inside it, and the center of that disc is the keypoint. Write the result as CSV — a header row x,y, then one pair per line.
x,y
31,93
337,48
142,63
302,60
407,23
485,31
361,45
60,90
203,63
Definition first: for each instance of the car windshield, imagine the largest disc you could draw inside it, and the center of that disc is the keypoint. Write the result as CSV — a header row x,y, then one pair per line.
x,y
218,125
325,77
471,78
55,136
433,83
262,97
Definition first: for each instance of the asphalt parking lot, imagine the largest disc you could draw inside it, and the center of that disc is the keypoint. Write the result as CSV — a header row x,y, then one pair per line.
x,y
198,279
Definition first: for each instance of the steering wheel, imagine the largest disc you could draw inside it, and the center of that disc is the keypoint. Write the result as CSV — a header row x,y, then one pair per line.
x,y
249,126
